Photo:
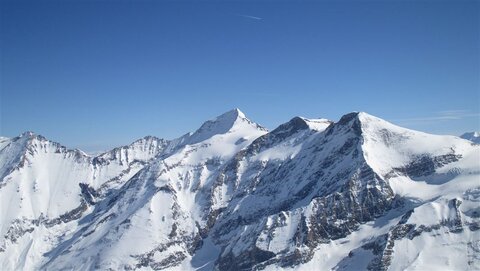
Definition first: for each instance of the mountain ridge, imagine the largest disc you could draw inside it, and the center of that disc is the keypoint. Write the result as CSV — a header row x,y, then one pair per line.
x,y
245,198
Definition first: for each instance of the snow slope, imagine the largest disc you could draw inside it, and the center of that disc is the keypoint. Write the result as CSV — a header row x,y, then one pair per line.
x,y
356,194
42,184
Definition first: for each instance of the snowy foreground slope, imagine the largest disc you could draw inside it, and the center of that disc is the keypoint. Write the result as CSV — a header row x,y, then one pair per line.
x,y
357,194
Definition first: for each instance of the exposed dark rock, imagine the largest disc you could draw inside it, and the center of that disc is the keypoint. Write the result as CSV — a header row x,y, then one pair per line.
x,y
424,165
88,193
244,261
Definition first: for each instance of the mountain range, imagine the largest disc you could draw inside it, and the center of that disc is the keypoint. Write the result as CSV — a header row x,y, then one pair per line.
x,y
313,194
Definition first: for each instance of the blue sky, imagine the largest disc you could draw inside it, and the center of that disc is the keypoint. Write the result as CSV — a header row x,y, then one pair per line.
x,y
97,74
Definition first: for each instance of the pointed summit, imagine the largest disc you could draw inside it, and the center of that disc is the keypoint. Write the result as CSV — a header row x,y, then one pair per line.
x,y
235,112
229,117
227,122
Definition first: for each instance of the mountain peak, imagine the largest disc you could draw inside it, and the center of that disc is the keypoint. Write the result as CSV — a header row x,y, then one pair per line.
x,y
361,117
28,137
235,112
229,116
362,122
27,134
222,124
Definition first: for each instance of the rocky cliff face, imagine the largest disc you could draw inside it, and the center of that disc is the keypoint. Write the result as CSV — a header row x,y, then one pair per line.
x,y
360,193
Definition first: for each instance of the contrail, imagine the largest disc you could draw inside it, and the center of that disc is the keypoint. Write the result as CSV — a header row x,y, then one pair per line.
x,y
250,17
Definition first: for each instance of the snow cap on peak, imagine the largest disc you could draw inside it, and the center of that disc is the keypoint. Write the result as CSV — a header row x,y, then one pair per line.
x,y
222,125
358,115
365,116
364,124
236,111
230,116
370,120
357,121
317,124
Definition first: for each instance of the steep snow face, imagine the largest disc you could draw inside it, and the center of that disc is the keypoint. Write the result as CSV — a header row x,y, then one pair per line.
x,y
360,193
11,153
472,136
40,183
416,164
41,170
387,146
4,141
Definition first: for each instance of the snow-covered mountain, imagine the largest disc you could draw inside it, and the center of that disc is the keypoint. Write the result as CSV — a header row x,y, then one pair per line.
x,y
312,194
472,136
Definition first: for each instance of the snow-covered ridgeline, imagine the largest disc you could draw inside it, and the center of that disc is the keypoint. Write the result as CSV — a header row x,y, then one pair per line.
x,y
358,193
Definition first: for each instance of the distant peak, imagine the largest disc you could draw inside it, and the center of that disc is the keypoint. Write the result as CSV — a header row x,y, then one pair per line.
x,y
148,138
472,136
27,134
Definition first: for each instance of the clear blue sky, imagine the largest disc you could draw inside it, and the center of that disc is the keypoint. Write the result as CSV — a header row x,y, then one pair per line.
x,y
96,74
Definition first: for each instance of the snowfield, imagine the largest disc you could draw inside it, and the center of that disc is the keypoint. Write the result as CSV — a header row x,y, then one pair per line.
x,y
357,194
